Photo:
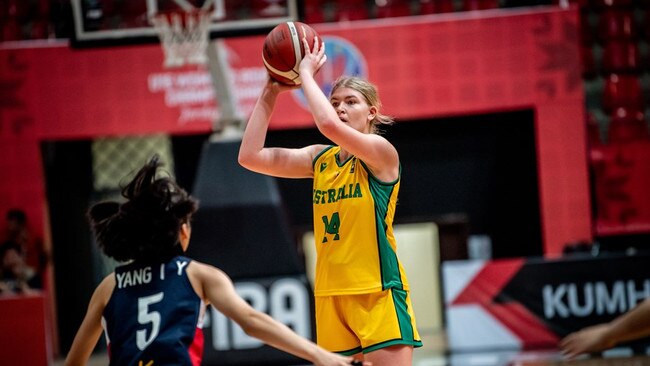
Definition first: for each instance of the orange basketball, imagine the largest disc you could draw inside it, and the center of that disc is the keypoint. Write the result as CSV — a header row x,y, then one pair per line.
x,y
283,50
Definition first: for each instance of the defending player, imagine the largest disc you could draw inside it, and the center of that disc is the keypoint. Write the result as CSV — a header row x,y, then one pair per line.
x,y
152,308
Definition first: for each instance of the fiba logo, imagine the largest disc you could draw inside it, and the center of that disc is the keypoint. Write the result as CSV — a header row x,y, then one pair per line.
x,y
343,58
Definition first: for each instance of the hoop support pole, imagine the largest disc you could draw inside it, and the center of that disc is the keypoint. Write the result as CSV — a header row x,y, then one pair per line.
x,y
222,81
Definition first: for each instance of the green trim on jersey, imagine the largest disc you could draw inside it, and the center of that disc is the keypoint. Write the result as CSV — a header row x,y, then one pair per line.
x,y
338,160
313,162
381,193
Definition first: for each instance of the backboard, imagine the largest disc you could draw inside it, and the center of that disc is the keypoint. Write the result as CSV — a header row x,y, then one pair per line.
x,y
115,22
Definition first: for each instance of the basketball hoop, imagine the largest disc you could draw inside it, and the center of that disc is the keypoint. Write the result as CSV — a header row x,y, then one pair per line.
x,y
183,35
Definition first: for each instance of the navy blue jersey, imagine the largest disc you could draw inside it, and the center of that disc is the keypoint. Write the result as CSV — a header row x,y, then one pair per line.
x,y
154,314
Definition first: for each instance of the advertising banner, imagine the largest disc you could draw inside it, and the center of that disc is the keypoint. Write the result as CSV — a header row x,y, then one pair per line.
x,y
523,304
287,299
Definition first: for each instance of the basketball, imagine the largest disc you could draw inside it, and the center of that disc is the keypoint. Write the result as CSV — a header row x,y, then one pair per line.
x,y
283,50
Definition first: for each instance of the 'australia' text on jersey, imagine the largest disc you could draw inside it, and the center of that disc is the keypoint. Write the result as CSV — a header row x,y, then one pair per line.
x,y
335,194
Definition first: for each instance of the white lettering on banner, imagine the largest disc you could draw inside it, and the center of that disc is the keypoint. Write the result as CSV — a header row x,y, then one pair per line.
x,y
287,291
170,80
194,93
286,300
611,303
574,302
253,75
189,114
248,92
634,296
552,301
175,97
180,88
249,82
193,79
594,298
158,82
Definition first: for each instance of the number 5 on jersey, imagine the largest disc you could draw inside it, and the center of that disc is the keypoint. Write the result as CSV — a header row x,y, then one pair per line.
x,y
145,317
332,225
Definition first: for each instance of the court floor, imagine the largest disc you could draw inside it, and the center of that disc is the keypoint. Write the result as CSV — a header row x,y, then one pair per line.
x,y
433,354
485,360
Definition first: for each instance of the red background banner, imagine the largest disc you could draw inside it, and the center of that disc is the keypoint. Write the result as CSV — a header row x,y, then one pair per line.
x,y
426,67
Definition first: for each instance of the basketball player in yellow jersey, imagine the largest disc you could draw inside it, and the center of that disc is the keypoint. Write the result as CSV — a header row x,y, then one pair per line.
x,y
363,307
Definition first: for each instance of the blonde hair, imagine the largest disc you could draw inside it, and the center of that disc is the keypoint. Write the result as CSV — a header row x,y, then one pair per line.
x,y
371,95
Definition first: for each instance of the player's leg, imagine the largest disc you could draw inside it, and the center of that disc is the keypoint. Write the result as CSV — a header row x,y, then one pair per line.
x,y
332,332
385,324
399,355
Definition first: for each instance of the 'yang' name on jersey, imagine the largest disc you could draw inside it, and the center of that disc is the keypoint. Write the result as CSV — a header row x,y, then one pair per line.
x,y
134,277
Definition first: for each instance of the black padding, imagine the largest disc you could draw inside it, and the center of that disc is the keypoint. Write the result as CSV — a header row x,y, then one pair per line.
x,y
241,226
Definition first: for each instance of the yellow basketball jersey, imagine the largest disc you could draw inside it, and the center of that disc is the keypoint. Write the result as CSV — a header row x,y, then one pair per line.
x,y
353,228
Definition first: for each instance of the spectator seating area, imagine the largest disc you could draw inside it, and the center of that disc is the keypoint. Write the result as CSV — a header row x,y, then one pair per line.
x,y
614,40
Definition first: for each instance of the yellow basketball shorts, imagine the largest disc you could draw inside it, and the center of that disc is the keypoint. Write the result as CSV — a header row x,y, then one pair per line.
x,y
350,324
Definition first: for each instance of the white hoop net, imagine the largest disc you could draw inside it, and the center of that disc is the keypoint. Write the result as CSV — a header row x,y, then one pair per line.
x,y
184,36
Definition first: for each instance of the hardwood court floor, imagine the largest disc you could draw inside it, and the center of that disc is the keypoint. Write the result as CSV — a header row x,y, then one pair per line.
x,y
433,353
483,359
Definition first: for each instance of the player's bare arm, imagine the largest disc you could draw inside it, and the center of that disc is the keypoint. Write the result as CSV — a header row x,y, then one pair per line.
x,y
91,327
629,326
219,290
279,162
379,154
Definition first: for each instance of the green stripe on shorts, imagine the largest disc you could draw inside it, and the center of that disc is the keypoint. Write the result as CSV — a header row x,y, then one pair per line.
x,y
405,325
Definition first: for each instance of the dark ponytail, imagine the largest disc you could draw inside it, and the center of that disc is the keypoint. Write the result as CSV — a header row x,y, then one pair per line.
x,y
146,226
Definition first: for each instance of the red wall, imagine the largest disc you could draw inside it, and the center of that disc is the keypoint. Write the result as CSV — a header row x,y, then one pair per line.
x,y
25,334
429,66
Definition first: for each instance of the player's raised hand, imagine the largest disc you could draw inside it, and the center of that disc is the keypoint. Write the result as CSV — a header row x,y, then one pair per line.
x,y
314,57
